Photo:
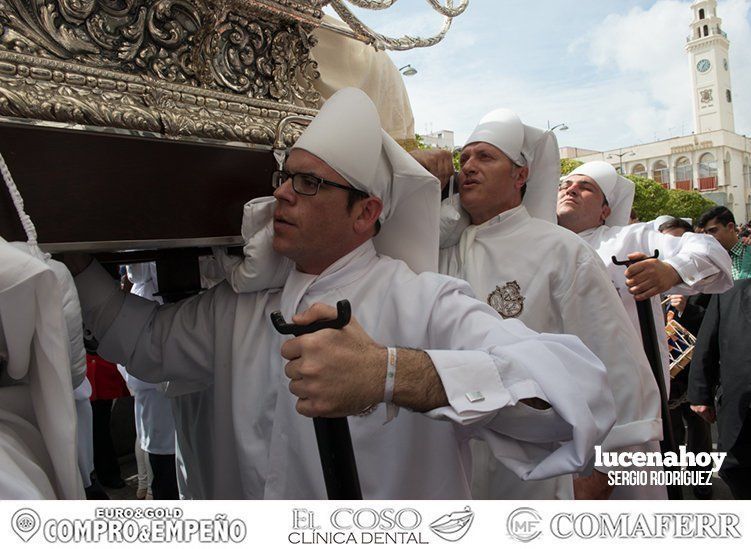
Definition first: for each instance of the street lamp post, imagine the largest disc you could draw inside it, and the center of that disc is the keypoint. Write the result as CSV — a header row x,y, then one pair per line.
x,y
408,70
560,127
620,154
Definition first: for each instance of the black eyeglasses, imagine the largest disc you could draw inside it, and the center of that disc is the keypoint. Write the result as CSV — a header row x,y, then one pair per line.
x,y
307,184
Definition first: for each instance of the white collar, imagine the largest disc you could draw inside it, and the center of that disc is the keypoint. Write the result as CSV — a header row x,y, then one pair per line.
x,y
341,272
519,211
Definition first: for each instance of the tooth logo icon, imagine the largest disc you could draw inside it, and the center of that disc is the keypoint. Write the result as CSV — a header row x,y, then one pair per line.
x,y
25,523
453,526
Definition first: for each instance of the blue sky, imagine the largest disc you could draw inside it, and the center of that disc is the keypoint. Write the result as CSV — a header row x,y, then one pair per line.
x,y
615,71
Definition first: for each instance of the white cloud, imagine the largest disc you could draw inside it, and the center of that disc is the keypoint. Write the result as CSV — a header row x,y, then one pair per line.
x,y
646,47
615,72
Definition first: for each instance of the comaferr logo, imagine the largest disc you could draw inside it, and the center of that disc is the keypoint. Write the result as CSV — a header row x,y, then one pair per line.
x,y
646,526
454,526
524,524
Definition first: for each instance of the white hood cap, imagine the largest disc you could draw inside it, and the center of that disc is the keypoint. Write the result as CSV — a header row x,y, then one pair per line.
x,y
347,135
525,146
659,221
618,190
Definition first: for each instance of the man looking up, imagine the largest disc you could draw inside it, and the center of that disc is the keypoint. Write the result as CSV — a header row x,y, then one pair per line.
x,y
526,267
594,202
343,178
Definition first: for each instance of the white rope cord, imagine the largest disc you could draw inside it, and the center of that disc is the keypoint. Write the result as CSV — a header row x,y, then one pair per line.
x,y
28,225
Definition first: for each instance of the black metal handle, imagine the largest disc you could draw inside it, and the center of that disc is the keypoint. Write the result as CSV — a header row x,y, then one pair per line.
x,y
343,310
629,262
651,345
332,434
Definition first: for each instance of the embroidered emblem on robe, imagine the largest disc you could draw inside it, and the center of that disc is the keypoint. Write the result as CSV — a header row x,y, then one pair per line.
x,y
507,300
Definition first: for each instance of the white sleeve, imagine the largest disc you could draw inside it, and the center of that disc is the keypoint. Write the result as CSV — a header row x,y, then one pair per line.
x,y
154,342
261,268
508,363
702,263
592,310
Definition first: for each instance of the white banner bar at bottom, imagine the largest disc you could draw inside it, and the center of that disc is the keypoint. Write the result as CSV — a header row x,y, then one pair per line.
x,y
284,524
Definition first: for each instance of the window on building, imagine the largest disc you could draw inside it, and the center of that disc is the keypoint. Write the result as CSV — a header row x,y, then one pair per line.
x,y
706,30
707,172
684,177
701,13
729,96
747,173
661,174
639,170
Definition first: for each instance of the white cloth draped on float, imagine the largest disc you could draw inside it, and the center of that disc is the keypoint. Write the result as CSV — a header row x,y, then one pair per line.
x,y
344,62
39,418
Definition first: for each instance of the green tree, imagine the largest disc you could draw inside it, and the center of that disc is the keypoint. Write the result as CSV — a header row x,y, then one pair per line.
x,y
454,155
568,165
690,204
651,198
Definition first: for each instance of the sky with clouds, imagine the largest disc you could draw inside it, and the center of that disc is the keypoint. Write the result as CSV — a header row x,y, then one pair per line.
x,y
615,71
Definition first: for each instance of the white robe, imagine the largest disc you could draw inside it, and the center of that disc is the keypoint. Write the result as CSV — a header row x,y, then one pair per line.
x,y
155,427
566,289
85,419
262,448
701,262
37,411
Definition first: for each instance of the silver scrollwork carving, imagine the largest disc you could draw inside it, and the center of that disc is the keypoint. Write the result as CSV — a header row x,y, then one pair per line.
x,y
221,69
202,43
380,41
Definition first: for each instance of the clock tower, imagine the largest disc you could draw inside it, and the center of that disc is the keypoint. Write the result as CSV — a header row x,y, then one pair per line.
x,y
707,48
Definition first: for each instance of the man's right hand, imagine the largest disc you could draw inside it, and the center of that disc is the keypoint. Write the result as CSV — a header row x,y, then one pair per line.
x,y
707,413
438,162
76,262
678,302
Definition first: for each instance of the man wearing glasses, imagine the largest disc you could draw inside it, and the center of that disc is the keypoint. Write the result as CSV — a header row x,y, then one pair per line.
x,y
483,377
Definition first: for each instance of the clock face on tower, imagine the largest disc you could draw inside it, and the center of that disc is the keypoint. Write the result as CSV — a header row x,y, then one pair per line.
x,y
703,65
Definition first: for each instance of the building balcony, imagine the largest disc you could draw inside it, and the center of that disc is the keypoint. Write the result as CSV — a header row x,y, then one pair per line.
x,y
684,185
708,183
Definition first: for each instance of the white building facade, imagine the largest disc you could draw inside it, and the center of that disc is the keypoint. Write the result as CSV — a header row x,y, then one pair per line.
x,y
714,160
443,139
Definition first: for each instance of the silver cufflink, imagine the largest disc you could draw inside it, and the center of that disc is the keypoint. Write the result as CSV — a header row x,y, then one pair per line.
x,y
475,396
